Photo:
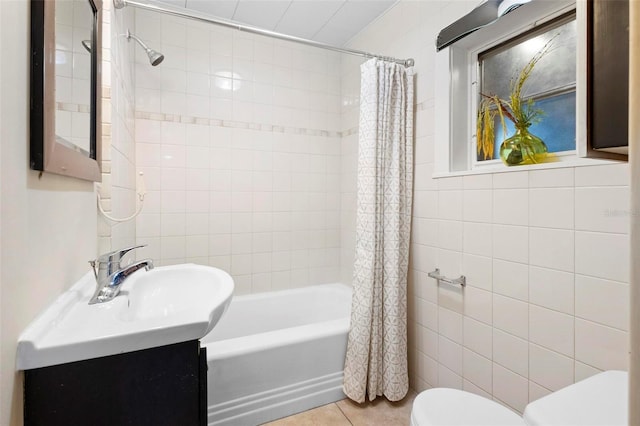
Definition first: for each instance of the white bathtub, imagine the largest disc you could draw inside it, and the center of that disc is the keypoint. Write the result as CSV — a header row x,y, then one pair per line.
x,y
278,353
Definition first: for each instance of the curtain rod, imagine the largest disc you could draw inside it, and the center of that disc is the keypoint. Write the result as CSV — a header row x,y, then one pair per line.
x,y
185,13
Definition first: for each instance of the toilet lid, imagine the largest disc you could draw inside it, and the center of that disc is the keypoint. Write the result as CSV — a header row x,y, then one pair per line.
x,y
452,407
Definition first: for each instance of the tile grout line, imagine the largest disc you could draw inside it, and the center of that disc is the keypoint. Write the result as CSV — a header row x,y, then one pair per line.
x,y
344,414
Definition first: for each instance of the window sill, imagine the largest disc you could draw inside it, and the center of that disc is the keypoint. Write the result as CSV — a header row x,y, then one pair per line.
x,y
501,168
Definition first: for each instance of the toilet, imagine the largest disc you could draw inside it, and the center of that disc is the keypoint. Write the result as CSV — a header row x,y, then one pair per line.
x,y
452,407
598,400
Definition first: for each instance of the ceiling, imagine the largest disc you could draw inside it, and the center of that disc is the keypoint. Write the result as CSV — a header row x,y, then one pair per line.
x,y
328,21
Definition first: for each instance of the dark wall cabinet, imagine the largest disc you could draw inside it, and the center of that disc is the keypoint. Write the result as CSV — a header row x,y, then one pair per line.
x,y
608,75
158,386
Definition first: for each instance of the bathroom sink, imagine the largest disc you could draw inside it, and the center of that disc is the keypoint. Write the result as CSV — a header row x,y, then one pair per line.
x,y
166,305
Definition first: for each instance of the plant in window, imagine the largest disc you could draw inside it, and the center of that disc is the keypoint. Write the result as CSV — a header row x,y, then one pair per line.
x,y
523,147
485,131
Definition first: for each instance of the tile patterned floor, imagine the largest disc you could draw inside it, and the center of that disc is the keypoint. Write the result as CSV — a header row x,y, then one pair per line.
x,y
380,412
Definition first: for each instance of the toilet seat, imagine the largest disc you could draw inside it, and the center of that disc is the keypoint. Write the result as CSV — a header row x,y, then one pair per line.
x,y
452,407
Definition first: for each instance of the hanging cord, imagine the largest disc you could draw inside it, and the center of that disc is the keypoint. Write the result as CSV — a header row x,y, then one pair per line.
x,y
141,191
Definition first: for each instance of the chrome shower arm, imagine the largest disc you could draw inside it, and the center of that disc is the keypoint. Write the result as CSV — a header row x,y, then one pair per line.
x,y
130,36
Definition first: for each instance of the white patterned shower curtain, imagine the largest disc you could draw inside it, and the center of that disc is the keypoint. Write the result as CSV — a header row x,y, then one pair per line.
x,y
376,361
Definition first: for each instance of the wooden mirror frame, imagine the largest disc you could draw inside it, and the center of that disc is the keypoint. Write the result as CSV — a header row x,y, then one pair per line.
x,y
46,154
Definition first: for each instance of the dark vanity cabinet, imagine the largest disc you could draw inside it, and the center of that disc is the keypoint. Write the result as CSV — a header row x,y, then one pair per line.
x,y
159,386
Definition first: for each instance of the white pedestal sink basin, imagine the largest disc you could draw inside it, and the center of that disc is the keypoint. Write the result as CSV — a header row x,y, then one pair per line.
x,y
166,305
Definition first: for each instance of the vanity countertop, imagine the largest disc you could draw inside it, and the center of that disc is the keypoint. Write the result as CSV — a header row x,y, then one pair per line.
x,y
166,305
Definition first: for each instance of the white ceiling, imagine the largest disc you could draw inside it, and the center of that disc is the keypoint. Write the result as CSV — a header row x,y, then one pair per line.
x,y
328,21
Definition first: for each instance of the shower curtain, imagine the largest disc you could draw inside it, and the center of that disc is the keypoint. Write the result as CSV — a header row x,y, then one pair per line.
x,y
376,361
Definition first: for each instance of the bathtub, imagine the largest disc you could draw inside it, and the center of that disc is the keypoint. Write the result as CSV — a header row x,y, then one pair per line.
x,y
278,353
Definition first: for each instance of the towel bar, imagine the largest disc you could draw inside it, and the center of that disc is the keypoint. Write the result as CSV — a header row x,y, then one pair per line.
x,y
462,281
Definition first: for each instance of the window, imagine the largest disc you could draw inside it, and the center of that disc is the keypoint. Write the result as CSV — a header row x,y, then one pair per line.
x,y
552,84
486,60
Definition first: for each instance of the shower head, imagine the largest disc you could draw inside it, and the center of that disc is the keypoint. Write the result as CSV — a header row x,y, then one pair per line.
x,y
155,57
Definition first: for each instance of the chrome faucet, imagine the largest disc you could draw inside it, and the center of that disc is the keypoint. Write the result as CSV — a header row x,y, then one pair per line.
x,y
110,274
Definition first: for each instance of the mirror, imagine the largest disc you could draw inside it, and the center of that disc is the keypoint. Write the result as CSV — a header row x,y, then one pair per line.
x,y
65,87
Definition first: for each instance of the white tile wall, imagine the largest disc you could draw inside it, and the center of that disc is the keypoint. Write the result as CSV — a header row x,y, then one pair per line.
x,y
511,352
470,387
448,378
551,207
511,315
118,147
478,271
602,255
552,289
510,206
602,301
511,279
258,181
450,205
427,314
603,175
554,178
545,252
450,324
477,204
450,235
583,371
551,248
600,346
478,337
549,369
551,329
478,304
478,370
511,180
510,388
477,238
477,182
602,209
239,136
536,391
450,355
511,243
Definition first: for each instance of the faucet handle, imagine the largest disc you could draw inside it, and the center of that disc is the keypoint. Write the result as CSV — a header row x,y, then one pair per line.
x,y
116,256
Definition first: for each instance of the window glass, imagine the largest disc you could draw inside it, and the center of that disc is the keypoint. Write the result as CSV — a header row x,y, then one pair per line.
x,y
551,85
558,133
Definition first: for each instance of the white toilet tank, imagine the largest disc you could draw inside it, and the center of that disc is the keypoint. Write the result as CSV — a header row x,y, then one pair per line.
x,y
599,400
